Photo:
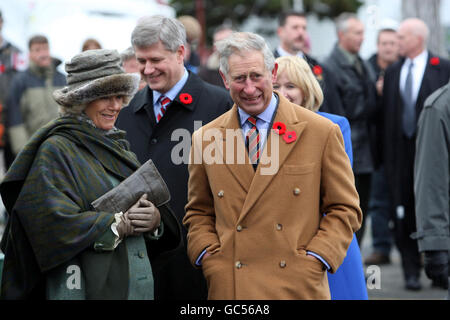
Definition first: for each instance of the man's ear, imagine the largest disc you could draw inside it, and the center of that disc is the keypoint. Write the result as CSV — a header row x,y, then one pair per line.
x,y
274,73
181,51
224,79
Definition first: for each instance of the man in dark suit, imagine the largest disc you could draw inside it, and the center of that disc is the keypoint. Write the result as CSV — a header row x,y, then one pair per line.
x,y
159,116
407,83
292,34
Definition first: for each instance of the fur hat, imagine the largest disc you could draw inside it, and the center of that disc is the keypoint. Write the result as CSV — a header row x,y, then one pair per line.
x,y
95,74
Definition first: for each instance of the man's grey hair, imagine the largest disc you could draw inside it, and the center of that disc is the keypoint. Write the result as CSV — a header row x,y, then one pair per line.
x,y
239,42
152,29
127,54
342,21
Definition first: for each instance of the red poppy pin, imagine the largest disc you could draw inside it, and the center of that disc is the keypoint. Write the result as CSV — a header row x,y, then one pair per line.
x,y
186,98
435,61
317,70
279,127
2,68
290,136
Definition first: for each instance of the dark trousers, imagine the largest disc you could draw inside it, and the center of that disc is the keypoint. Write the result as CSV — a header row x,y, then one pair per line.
x,y
362,183
405,219
379,212
179,280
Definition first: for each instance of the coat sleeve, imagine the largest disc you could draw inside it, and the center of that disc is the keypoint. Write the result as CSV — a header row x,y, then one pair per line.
x,y
200,213
339,203
431,180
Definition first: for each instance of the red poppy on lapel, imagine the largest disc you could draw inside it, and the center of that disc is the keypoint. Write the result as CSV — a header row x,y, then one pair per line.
x,y
2,68
186,98
290,136
279,127
435,61
317,70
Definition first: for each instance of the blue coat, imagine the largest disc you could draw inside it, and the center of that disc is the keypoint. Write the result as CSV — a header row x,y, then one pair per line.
x,y
348,282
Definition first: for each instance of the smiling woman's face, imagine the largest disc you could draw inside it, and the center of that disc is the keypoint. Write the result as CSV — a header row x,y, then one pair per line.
x,y
104,111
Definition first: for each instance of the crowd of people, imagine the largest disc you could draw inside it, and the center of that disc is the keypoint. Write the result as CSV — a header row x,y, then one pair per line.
x,y
350,139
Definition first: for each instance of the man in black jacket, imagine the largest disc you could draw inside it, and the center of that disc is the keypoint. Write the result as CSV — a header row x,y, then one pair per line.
x,y
379,211
11,61
407,84
159,122
357,94
292,34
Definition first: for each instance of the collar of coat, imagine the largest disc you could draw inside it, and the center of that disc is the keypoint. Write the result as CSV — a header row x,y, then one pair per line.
x,y
193,86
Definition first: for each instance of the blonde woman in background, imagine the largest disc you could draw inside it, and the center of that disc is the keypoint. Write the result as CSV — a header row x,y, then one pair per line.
x,y
298,84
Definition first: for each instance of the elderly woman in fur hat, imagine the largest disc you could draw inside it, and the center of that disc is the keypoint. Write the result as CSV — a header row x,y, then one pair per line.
x,y
56,245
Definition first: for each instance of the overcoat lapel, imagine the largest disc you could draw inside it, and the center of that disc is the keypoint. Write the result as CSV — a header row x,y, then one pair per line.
x,y
263,176
233,150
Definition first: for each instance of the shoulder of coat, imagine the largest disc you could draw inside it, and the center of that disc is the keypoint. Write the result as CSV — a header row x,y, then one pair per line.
x,y
435,97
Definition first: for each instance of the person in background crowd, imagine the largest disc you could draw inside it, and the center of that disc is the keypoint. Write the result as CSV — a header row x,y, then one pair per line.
x,y
210,71
432,186
292,32
407,83
258,233
298,84
11,61
30,103
175,100
74,160
358,97
379,207
91,44
130,64
193,37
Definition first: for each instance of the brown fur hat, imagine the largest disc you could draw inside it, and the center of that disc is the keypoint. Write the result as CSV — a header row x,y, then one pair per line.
x,y
95,74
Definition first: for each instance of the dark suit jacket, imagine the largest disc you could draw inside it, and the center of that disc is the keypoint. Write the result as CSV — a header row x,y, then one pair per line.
x,y
331,100
149,139
395,158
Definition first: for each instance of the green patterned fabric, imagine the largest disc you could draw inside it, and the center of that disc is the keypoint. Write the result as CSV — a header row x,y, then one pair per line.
x,y
48,191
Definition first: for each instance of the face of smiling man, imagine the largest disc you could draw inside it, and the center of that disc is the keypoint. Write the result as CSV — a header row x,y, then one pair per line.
x,y
104,111
249,82
159,67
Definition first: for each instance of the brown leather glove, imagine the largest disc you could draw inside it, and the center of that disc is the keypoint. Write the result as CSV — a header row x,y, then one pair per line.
x,y
124,228
143,216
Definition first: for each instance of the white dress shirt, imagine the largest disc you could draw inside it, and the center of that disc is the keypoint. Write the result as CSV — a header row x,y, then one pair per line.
x,y
418,70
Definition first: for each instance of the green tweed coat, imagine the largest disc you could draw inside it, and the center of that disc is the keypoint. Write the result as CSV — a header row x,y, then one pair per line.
x,y
47,192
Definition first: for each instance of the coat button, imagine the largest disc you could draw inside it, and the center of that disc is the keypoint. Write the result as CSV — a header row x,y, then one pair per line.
x,y
282,264
239,228
279,226
238,265
220,194
154,141
141,255
296,191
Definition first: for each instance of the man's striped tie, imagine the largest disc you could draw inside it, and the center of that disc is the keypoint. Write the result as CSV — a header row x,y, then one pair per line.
x,y
164,103
253,142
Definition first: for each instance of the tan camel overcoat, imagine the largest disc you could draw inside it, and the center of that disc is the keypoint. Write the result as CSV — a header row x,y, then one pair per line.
x,y
258,226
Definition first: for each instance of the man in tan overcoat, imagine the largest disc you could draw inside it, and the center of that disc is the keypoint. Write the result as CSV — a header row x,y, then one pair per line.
x,y
269,211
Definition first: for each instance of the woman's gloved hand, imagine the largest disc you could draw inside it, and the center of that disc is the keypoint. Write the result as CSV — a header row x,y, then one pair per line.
x,y
143,216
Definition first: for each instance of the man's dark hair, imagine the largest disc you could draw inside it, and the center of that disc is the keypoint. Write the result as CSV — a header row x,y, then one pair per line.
x,y
286,14
37,39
